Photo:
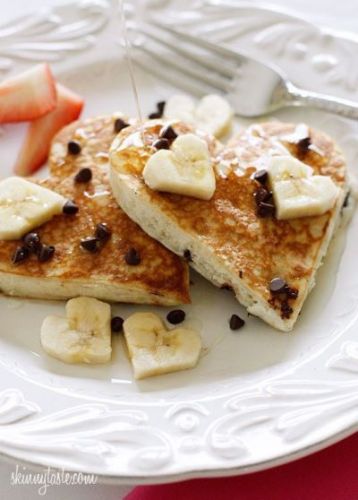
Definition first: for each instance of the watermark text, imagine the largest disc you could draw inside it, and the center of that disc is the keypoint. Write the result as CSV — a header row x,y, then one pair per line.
x,y
50,477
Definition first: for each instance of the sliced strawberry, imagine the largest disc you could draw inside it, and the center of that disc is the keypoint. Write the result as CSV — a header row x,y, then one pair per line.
x,y
27,96
36,146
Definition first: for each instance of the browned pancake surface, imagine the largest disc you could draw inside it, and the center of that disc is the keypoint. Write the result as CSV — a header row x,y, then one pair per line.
x,y
161,274
258,249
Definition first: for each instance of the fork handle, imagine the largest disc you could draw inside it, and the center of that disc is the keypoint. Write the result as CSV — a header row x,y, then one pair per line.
x,y
300,97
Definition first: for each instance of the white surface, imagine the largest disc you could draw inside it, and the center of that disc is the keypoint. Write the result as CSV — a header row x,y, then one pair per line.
x,y
348,21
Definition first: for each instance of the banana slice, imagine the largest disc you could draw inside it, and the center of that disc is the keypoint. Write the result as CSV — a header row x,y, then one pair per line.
x,y
154,350
84,336
180,107
304,197
24,206
185,169
296,191
212,114
282,168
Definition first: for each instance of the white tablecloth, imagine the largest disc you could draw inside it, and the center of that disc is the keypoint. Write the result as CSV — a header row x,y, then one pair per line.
x,y
340,15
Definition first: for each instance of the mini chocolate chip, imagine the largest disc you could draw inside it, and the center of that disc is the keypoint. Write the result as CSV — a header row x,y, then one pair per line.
x,y
119,125
241,274
187,256
155,115
32,242
292,293
286,310
265,209
103,233
227,287
261,176
70,208
117,324
277,285
168,132
160,107
84,175
132,257
161,144
74,148
261,194
176,316
45,253
303,145
90,244
20,254
236,322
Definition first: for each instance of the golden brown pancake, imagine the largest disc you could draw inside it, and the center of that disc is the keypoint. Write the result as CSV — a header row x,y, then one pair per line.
x,y
228,243
160,278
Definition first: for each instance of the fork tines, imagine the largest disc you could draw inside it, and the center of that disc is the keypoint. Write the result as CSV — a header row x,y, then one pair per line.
x,y
203,62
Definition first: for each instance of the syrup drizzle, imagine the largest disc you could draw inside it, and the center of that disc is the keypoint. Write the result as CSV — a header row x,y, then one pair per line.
x,y
127,48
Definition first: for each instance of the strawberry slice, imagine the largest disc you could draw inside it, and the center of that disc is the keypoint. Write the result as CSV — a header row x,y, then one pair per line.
x,y
27,96
36,146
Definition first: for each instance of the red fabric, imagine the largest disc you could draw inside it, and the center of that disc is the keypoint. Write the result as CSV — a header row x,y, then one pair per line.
x,y
331,474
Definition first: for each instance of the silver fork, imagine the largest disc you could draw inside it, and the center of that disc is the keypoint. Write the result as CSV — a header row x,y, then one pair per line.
x,y
253,88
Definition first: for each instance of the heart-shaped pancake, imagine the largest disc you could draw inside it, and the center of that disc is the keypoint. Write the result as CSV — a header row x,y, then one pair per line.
x,y
231,239
125,266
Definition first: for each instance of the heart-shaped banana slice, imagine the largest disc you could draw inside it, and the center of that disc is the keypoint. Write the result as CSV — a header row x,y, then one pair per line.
x,y
212,114
84,336
154,350
297,192
25,205
186,169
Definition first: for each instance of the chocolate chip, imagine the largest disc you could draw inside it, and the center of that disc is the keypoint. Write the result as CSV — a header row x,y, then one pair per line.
x,y
132,257
241,274
277,285
303,145
286,310
227,287
45,253
161,144
168,132
20,254
90,244
117,324
119,125
70,208
159,112
236,322
187,256
160,107
155,115
84,175
32,242
74,148
262,195
261,176
265,209
102,233
176,316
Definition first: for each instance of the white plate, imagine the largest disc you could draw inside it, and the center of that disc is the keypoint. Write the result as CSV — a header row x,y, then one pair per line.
x,y
259,397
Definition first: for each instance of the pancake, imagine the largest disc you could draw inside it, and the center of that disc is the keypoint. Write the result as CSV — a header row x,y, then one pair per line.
x,y
224,237
160,278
